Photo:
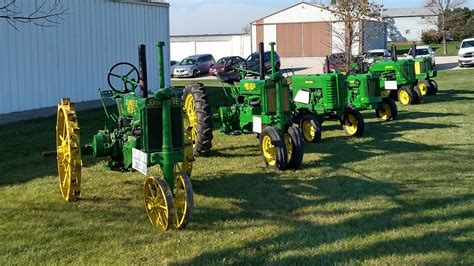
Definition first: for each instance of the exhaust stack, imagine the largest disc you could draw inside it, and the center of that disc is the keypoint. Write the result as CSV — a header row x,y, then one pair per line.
x,y
394,52
261,60
142,70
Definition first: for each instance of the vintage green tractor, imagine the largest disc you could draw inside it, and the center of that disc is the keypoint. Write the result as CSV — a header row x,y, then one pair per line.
x,y
365,94
425,73
319,97
260,105
148,129
398,78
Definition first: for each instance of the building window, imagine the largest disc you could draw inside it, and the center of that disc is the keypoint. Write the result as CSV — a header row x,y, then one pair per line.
x,y
407,32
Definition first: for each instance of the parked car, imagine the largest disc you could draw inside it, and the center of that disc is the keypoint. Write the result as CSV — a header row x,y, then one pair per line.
x,y
337,61
376,55
253,62
226,64
423,51
466,53
173,65
193,66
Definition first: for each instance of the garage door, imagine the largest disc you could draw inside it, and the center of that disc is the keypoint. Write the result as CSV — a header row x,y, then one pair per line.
x,y
309,39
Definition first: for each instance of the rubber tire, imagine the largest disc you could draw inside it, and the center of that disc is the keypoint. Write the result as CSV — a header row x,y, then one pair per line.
x,y
360,122
277,141
203,142
428,86
393,107
298,148
417,95
433,87
410,94
314,121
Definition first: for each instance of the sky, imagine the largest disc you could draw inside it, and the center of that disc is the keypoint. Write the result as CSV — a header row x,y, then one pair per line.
x,y
189,17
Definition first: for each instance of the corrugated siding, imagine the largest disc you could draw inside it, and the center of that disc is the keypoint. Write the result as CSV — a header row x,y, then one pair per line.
x,y
289,39
316,38
300,13
38,66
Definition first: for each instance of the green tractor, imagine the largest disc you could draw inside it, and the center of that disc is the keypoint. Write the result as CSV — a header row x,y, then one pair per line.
x,y
365,94
425,73
260,105
398,78
319,97
148,129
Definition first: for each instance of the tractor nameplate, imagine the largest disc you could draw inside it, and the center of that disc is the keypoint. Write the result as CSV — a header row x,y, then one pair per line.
x,y
302,97
388,67
139,161
153,103
250,86
131,105
257,124
391,85
309,82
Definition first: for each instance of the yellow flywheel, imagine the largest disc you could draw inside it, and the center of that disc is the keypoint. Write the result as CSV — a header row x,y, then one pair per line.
x,y
289,146
350,125
159,203
68,150
183,200
268,150
190,109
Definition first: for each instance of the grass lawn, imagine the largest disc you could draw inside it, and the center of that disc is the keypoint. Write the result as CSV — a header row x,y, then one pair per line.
x,y
403,47
402,194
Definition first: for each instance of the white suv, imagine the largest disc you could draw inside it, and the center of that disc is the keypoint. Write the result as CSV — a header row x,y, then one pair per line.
x,y
466,53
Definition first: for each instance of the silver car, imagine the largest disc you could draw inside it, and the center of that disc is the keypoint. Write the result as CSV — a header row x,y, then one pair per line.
x,y
423,51
193,66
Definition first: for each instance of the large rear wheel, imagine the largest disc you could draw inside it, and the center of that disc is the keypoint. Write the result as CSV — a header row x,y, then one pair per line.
x,y
68,150
198,109
273,148
405,96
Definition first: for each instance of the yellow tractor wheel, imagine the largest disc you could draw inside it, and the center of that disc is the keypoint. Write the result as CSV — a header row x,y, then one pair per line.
x,y
159,203
183,200
387,109
187,165
294,146
423,87
405,96
310,128
68,150
353,123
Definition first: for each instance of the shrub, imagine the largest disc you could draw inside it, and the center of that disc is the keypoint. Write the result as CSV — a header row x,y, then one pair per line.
x,y
431,36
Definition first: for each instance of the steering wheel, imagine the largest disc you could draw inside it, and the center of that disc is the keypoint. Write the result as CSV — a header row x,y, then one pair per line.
x,y
133,82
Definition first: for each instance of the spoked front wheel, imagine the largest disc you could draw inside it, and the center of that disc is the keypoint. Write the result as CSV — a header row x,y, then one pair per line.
x,y
159,203
68,150
183,200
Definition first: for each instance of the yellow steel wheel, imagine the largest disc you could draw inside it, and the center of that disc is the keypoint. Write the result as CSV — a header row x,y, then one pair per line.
x,y
159,203
68,150
309,131
385,113
268,150
190,109
423,87
186,165
350,125
183,200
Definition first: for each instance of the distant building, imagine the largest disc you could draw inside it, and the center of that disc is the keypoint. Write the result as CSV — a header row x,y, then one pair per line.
x,y
407,24
311,30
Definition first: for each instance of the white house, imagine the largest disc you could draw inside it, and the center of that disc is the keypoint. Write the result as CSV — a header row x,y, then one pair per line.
x,y
39,66
407,24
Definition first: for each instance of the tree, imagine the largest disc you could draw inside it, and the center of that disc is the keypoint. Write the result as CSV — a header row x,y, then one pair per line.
x,y
460,23
353,14
44,13
441,9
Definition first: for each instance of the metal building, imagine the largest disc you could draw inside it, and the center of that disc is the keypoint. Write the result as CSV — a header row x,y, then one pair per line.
x,y
408,24
311,30
38,65
219,45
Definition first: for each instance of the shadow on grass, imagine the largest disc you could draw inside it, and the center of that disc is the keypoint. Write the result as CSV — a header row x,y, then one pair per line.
x,y
449,96
283,202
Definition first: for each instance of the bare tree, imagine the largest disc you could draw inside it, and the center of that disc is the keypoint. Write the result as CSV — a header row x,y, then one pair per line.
x,y
44,13
352,14
441,9
246,28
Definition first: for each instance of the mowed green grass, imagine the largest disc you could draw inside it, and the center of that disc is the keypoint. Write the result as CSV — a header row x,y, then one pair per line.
x,y
402,194
404,47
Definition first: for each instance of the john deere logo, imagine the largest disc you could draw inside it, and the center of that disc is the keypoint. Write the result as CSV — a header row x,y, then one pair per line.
x,y
250,86
131,106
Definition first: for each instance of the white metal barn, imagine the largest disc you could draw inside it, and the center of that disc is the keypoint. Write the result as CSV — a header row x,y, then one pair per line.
x,y
39,66
219,45
311,30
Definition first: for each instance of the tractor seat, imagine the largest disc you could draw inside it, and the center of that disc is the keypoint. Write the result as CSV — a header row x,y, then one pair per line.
x,y
229,77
